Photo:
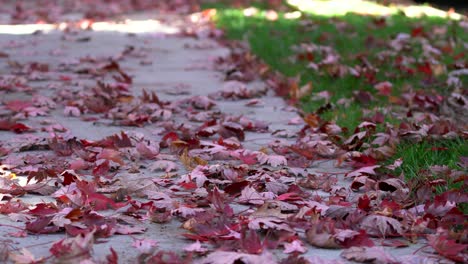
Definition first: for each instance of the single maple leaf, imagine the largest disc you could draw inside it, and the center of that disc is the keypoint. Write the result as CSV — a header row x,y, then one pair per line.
x,y
195,247
24,257
122,141
381,226
202,102
448,248
165,165
250,195
12,206
375,255
232,129
110,154
127,229
273,160
72,111
112,258
17,105
44,209
293,247
145,245
368,170
364,203
42,225
101,202
251,243
226,257
267,222
322,239
18,128
148,150
246,157
384,88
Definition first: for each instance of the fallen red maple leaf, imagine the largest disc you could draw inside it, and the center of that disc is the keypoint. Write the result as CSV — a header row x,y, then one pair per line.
x,y
448,248
13,126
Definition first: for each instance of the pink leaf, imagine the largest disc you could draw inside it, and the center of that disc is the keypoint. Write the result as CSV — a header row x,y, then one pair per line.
x,y
196,247
165,165
226,257
369,170
384,88
145,245
148,150
295,246
374,255
71,111
273,160
110,154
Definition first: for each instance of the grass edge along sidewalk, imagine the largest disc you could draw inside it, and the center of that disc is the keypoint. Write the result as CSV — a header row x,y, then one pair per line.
x,y
388,93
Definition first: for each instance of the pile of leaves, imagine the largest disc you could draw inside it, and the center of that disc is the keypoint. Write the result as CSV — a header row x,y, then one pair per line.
x,y
56,11
235,204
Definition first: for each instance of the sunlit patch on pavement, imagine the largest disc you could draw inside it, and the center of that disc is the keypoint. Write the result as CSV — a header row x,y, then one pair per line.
x,y
126,26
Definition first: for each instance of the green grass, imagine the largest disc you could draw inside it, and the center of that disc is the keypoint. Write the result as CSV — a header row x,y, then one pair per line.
x,y
272,42
419,157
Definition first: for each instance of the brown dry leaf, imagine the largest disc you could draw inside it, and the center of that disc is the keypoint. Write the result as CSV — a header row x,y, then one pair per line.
x,y
313,120
23,257
438,69
190,224
269,209
305,90
321,240
187,160
200,161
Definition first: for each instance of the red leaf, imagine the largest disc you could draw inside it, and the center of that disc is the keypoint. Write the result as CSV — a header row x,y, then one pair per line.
x,y
251,243
448,248
425,68
18,128
112,258
417,32
101,169
289,197
218,201
236,187
358,240
17,105
248,159
364,203
307,153
363,161
43,209
12,207
168,138
384,88
188,185
41,225
102,202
